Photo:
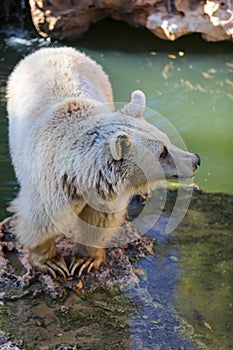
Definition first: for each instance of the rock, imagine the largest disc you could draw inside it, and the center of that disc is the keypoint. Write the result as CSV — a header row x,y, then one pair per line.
x,y
167,19
17,277
6,343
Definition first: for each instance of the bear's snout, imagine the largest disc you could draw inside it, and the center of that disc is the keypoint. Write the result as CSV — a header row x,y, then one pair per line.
x,y
196,161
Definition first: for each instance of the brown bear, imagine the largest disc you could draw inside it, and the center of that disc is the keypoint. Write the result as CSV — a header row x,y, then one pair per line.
x,y
78,161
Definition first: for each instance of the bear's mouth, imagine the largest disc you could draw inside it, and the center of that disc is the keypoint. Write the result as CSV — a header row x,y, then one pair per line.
x,y
179,177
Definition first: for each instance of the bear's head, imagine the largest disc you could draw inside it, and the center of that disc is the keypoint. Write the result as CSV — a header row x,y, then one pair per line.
x,y
145,153
122,151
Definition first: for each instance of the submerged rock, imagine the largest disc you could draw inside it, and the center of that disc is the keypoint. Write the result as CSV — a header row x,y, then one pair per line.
x,y
167,19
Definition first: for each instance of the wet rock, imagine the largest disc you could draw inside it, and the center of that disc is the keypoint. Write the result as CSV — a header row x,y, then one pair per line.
x,y
66,347
18,278
167,19
7,344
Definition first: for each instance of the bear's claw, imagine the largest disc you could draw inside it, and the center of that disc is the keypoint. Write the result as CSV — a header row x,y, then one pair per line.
x,y
54,266
57,266
84,263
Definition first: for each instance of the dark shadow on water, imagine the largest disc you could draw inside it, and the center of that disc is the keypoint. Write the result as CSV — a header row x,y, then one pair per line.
x,y
114,35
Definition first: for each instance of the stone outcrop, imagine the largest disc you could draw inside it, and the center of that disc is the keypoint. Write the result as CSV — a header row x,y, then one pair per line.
x,y
118,268
167,19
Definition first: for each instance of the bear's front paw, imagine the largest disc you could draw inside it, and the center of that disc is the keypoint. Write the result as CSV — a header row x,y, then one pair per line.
x,y
91,262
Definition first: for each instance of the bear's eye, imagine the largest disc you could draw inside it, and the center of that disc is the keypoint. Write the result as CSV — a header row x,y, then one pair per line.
x,y
164,154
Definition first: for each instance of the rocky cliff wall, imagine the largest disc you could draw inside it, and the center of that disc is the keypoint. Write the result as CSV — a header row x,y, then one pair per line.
x,y
167,19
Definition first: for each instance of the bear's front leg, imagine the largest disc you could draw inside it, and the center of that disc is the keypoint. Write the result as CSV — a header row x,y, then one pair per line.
x,y
86,258
96,228
45,258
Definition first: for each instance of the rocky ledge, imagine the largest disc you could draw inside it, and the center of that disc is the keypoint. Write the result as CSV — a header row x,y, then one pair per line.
x,y
167,19
17,277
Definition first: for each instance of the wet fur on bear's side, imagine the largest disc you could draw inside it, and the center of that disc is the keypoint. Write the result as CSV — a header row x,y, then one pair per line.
x,y
77,160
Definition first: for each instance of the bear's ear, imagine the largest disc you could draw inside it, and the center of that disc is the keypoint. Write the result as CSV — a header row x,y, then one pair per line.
x,y
137,104
119,144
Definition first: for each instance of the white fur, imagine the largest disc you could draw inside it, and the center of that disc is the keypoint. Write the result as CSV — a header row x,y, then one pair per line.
x,y
66,157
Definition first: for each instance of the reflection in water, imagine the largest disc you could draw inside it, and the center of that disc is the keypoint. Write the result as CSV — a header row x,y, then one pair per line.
x,y
204,293
190,275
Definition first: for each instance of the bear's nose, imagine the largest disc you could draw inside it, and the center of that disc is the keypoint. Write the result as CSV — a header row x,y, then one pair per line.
x,y
198,159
